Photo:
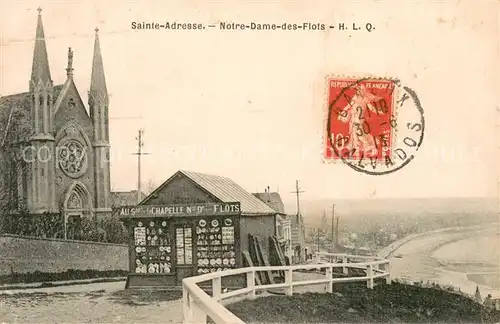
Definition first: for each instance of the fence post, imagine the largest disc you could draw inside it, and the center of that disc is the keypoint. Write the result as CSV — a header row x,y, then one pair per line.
x,y
217,288
329,276
289,282
192,313
318,257
388,278
185,303
345,270
251,283
369,272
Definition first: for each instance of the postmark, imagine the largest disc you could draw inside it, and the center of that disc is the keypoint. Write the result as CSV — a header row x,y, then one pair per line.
x,y
375,126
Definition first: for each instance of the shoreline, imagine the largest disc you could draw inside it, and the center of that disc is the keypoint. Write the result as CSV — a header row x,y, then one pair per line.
x,y
392,248
418,261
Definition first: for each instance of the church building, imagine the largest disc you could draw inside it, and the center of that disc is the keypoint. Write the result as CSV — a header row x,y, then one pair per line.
x,y
54,153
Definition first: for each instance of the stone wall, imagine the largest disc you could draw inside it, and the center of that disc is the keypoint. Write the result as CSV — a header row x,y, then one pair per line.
x,y
23,254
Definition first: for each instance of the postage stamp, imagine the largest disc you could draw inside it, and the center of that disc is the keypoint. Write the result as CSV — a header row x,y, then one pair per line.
x,y
373,125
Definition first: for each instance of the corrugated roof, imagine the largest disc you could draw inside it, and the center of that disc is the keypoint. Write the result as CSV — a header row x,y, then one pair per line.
x,y
227,190
272,199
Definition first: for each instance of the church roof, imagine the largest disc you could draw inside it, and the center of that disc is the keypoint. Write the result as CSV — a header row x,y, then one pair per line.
x,y
272,199
226,190
124,198
15,110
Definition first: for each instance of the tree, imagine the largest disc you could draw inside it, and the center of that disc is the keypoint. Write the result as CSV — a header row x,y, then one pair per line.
x,y
149,187
15,133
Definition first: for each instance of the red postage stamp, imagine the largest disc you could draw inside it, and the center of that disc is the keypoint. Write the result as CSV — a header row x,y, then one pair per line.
x,y
360,120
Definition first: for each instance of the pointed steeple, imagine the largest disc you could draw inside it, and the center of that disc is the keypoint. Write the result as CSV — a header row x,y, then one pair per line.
x,y
97,80
40,69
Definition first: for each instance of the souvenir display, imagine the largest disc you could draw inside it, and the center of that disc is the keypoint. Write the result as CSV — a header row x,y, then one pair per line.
x,y
184,245
140,236
216,251
140,267
154,253
228,235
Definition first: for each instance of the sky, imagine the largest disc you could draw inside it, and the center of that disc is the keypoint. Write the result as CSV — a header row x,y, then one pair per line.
x,y
250,105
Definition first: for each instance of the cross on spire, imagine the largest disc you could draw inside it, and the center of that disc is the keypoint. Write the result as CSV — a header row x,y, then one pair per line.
x,y
96,30
39,10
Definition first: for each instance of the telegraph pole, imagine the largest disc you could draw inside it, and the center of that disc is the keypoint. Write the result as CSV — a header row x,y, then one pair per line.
x,y
318,239
297,192
337,232
299,220
139,153
333,228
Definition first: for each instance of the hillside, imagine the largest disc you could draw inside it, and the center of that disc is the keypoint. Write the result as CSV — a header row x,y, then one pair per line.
x,y
382,210
395,303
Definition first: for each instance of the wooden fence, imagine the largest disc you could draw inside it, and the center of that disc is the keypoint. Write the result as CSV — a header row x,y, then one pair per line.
x,y
197,304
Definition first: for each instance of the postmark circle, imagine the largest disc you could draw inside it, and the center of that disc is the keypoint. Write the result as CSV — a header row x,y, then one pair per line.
x,y
374,126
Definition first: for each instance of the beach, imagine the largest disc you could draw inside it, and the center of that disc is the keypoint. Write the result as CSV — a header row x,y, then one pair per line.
x,y
466,257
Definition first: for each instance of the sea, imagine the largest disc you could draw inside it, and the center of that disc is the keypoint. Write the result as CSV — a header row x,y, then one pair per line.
x,y
465,258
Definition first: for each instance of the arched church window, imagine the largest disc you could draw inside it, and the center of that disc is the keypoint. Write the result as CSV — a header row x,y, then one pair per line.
x,y
74,201
72,157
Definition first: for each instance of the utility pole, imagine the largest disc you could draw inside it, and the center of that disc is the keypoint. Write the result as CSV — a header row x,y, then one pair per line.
x,y
318,239
297,192
337,232
139,153
333,228
299,221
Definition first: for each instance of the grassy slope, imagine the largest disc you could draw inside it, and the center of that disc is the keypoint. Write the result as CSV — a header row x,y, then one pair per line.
x,y
396,303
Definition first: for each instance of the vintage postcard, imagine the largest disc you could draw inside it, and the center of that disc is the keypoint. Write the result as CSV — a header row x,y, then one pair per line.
x,y
249,161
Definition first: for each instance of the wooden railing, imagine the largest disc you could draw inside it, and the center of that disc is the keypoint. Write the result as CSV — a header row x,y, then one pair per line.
x,y
197,304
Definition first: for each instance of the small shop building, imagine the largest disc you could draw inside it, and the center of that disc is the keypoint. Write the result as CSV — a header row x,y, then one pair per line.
x,y
193,224
283,221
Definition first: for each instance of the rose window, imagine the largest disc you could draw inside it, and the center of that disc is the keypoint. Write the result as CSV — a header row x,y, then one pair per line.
x,y
72,158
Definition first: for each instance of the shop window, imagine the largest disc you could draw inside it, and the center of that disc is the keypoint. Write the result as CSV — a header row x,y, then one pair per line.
x,y
184,245
153,247
215,242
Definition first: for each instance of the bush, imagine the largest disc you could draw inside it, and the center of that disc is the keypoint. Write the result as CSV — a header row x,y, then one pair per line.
x,y
46,225
109,229
115,230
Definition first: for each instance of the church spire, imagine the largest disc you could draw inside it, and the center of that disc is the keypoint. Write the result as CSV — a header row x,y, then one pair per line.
x,y
40,69
97,80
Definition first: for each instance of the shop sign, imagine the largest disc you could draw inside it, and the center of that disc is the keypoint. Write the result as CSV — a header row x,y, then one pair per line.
x,y
211,209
